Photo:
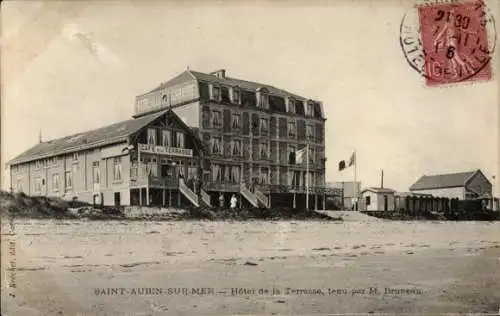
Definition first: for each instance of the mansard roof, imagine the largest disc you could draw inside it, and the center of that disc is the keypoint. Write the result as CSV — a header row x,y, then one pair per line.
x,y
190,75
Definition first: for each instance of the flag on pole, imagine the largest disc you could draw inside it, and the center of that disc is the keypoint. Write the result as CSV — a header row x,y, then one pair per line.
x,y
300,156
341,165
352,160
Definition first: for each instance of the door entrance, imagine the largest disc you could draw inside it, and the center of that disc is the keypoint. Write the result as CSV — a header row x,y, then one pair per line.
x,y
165,170
386,203
117,199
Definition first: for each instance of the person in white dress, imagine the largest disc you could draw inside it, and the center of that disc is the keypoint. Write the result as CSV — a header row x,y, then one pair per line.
x,y
233,201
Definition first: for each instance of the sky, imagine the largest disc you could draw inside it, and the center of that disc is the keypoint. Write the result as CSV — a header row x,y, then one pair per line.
x,y
73,66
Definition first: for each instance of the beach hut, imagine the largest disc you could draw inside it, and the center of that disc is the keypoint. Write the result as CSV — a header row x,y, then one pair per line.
x,y
377,199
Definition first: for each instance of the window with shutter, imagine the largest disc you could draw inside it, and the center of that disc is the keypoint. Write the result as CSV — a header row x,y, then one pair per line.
x,y
312,155
225,95
264,176
216,119
166,138
216,146
236,148
19,185
299,107
292,129
309,132
291,154
179,139
216,173
151,136
55,182
38,185
205,117
95,172
291,105
236,95
117,169
264,127
216,93
236,123
264,150
68,179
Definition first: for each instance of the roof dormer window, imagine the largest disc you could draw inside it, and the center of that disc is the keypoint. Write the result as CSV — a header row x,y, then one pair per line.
x,y
291,105
263,98
236,95
225,97
318,110
216,93
310,108
299,107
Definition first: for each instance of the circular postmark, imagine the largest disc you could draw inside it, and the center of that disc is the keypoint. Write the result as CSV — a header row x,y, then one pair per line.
x,y
449,42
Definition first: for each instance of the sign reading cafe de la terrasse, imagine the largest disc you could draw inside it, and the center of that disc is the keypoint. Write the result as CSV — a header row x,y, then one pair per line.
x,y
162,150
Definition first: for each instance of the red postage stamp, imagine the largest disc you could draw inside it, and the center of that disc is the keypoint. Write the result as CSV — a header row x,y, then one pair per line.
x,y
450,42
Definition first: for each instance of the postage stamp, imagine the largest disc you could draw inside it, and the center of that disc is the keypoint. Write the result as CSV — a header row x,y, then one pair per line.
x,y
449,42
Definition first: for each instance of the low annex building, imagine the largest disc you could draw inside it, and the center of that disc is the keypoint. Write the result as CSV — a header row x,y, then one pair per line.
x,y
463,185
133,162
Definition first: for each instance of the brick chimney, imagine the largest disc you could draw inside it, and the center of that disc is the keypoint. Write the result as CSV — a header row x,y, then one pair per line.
x,y
221,73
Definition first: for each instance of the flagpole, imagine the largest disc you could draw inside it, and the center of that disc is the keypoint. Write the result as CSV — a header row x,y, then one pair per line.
x,y
355,183
139,170
307,176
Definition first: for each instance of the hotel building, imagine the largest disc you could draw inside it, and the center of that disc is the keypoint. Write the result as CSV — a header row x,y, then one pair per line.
x,y
198,138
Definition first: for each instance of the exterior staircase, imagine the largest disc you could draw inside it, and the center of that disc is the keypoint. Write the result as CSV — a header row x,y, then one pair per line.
x,y
261,197
256,198
205,198
247,194
188,193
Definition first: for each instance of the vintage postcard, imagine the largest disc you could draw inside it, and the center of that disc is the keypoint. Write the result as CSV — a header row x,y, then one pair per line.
x,y
250,157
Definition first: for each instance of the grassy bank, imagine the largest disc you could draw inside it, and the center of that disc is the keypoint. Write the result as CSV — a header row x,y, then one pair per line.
x,y
19,205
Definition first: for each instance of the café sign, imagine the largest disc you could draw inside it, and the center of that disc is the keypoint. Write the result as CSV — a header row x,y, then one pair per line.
x,y
162,150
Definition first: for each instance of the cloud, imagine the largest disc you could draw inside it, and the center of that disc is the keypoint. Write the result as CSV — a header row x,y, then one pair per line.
x,y
87,40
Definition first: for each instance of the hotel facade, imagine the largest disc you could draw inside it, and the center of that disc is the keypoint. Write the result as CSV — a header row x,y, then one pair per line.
x,y
197,139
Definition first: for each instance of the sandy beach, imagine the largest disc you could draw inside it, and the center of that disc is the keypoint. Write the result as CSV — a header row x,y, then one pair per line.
x,y
272,268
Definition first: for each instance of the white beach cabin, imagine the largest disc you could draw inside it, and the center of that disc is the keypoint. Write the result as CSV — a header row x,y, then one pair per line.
x,y
377,199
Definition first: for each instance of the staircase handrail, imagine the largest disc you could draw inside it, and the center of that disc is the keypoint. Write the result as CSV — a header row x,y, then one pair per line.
x,y
261,196
188,192
205,197
248,194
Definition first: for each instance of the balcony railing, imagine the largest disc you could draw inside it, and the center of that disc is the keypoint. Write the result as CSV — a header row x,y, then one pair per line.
x,y
259,192
155,181
278,188
217,186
